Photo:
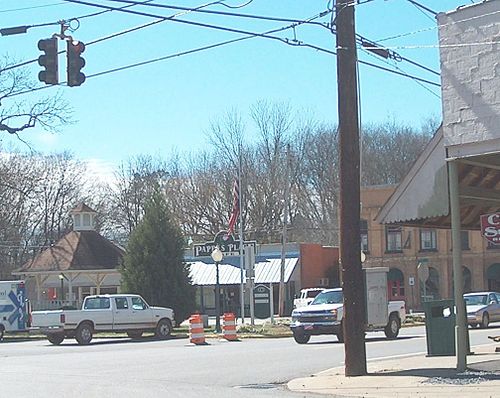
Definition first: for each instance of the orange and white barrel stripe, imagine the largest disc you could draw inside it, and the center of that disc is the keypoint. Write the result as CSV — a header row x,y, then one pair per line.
x,y
229,327
196,332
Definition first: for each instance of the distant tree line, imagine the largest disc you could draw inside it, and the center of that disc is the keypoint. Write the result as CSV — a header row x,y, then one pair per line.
x,y
37,191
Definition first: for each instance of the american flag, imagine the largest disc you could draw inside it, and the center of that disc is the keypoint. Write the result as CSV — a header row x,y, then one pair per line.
x,y
236,206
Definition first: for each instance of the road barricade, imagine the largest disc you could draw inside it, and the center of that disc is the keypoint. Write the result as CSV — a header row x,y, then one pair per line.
x,y
196,332
229,327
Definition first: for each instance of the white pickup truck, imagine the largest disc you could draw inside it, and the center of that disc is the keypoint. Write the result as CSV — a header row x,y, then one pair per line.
x,y
104,313
306,296
324,316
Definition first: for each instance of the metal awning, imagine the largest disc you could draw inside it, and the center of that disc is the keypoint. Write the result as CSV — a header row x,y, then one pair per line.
x,y
422,197
203,274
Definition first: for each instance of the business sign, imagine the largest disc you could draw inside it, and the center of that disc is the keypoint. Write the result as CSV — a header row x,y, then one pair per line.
x,y
490,227
262,299
224,241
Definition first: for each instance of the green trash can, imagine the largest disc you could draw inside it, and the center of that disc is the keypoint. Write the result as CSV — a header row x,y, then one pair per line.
x,y
440,327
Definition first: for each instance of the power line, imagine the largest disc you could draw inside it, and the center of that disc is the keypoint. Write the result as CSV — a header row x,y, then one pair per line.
x,y
415,79
213,12
421,6
286,41
33,7
199,24
179,54
366,44
220,44
26,27
114,34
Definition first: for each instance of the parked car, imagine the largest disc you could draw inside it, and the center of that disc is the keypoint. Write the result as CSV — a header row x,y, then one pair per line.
x,y
104,313
482,308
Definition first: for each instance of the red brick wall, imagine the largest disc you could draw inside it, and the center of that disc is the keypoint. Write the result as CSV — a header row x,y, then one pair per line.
x,y
318,262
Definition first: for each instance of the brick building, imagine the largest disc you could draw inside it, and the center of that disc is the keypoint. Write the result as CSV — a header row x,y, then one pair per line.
x,y
403,248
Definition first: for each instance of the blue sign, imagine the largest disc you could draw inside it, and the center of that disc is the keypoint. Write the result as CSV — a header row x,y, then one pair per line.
x,y
17,309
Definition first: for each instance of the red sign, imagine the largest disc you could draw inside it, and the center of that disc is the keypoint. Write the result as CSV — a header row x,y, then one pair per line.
x,y
490,227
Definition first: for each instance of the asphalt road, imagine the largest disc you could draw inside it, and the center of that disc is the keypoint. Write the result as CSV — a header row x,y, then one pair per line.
x,y
174,368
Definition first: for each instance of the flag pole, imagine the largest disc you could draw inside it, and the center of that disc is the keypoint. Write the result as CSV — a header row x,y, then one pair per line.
x,y
242,264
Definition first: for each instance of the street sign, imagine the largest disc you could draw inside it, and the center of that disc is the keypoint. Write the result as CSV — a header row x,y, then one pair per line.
x,y
490,227
226,243
411,281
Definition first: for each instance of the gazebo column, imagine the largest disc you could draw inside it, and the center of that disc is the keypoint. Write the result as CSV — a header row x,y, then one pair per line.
x,y
97,279
39,281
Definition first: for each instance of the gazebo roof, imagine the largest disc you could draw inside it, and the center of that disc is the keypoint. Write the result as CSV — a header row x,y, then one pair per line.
x,y
82,208
77,250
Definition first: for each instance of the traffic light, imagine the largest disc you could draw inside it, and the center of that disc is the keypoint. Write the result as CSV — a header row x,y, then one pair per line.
x,y
49,61
75,63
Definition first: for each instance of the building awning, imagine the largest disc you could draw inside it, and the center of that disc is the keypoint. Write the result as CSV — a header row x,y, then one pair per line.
x,y
422,198
203,274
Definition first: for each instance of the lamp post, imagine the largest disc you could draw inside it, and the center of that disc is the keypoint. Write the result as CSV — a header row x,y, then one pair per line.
x,y
61,277
217,257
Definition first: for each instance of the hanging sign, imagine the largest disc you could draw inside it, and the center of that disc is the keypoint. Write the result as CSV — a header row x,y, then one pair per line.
x,y
490,227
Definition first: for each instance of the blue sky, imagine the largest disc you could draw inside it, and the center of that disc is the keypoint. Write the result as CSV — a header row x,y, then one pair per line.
x,y
168,105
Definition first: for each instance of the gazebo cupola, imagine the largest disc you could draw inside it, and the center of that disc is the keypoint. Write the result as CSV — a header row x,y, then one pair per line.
x,y
83,218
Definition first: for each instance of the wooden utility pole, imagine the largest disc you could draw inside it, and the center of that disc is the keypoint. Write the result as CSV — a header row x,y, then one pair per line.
x,y
350,245
281,309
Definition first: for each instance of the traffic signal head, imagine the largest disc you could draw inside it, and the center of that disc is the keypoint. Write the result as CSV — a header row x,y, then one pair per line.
x,y
75,63
49,61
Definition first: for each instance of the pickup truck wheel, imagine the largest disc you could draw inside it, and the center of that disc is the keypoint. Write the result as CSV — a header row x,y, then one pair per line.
x,y
392,328
486,320
163,329
301,337
56,338
84,333
135,334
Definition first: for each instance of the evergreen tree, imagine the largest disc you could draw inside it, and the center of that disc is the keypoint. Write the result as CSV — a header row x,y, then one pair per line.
x,y
154,263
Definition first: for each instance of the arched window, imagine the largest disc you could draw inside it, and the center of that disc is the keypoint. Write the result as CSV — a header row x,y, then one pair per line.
x,y
395,284
467,279
493,276
431,291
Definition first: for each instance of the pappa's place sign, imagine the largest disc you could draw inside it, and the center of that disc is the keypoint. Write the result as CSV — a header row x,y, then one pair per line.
x,y
490,227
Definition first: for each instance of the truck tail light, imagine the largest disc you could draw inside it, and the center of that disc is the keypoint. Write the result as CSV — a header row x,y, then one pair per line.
x,y
62,318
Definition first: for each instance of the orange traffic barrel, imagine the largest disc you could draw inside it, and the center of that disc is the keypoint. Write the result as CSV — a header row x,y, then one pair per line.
x,y
229,327
196,332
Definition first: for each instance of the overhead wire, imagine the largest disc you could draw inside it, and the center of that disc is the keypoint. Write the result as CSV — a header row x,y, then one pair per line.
x,y
213,12
33,7
248,35
133,29
199,49
417,80
217,27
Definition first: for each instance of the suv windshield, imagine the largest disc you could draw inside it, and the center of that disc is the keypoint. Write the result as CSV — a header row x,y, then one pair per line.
x,y
332,297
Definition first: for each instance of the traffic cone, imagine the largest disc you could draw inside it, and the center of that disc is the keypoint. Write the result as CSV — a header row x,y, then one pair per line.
x,y
196,331
229,327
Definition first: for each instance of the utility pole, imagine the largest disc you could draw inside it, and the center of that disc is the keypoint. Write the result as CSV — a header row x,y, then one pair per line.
x,y
352,273
281,309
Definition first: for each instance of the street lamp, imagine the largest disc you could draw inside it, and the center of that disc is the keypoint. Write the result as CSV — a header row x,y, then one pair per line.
x,y
61,277
217,257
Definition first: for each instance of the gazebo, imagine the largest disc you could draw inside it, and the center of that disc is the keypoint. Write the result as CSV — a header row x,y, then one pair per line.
x,y
81,263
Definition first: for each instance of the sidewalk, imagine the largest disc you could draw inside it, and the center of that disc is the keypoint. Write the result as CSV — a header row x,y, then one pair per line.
x,y
412,376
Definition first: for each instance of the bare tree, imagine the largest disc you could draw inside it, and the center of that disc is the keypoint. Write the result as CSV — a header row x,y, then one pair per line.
x,y
20,111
